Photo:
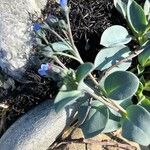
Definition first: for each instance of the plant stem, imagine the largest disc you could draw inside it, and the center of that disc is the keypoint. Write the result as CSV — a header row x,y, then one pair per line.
x,y
71,37
81,62
56,59
64,32
133,69
130,57
77,57
103,100
104,96
93,79
67,55
57,35
80,59
118,106
87,111
74,47
90,75
46,41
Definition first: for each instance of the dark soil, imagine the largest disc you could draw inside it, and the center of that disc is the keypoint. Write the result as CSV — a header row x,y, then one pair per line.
x,y
89,18
24,97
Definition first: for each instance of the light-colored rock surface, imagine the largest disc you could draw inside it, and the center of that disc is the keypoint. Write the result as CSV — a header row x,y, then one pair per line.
x,y
37,129
15,33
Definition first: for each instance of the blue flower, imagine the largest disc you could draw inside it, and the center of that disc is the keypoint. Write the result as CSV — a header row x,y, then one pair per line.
x,y
43,71
37,27
63,3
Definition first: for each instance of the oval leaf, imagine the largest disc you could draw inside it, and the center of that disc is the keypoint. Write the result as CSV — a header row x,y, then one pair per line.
x,y
83,112
64,98
123,103
113,123
61,46
110,56
144,57
146,104
47,51
114,36
147,7
39,42
121,85
121,6
136,17
83,70
135,126
96,119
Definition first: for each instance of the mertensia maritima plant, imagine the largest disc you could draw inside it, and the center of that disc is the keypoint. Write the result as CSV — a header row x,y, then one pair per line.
x,y
105,101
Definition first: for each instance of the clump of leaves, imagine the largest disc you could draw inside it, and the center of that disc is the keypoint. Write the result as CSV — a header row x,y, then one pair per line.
x,y
105,102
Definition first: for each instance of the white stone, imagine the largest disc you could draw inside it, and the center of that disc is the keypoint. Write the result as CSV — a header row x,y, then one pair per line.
x,y
15,34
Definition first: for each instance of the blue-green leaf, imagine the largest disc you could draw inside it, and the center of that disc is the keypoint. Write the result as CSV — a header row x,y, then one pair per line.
x,y
83,70
123,103
63,25
144,57
83,112
114,36
65,98
60,47
121,85
126,103
136,17
147,7
47,51
110,56
135,126
148,34
69,80
113,123
146,104
41,34
39,42
121,6
96,119
140,69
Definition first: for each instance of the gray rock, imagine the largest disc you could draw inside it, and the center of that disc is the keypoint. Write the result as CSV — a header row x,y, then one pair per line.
x,y
37,129
15,34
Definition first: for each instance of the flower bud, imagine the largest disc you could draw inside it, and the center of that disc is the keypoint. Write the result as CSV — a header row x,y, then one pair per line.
x,y
51,19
